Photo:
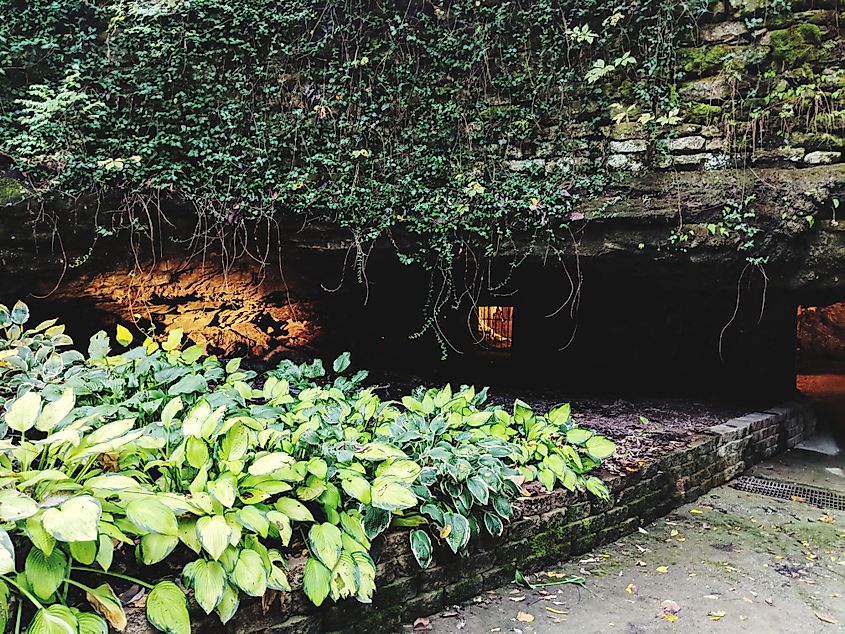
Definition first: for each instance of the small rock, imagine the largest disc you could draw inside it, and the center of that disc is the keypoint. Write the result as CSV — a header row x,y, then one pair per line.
x,y
691,159
723,32
706,89
685,144
714,144
629,147
623,162
822,158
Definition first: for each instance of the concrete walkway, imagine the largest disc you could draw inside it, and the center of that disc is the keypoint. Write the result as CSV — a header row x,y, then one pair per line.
x,y
731,562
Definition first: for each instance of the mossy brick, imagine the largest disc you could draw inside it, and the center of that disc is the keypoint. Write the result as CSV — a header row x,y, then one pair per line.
x,y
381,619
298,624
399,591
463,589
513,551
578,511
523,529
424,603
500,575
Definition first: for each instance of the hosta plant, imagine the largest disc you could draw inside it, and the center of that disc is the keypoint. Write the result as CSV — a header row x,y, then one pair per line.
x,y
152,461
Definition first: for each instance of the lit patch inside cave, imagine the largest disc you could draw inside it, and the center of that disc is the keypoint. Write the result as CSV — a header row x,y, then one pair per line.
x,y
495,327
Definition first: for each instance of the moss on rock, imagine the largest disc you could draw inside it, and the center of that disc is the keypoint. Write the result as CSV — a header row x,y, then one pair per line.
x,y
702,113
703,60
797,45
11,191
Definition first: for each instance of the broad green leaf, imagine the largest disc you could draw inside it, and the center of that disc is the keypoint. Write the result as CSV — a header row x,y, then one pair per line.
x,y
90,623
38,536
578,436
208,583
597,487
45,574
228,605
421,547
213,533
7,553
402,470
84,552
16,506
53,413
174,339
196,451
560,415
294,509
254,520
341,363
167,609
599,447
324,540
155,548
20,313
189,384
23,412
123,336
223,490
249,574
357,487
390,495
269,463
547,478
104,601
152,516
316,581
111,483
459,531
493,524
74,521
479,490
173,407
105,551
56,619
5,607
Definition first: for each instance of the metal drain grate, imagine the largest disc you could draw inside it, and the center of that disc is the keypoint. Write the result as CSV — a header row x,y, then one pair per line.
x,y
790,490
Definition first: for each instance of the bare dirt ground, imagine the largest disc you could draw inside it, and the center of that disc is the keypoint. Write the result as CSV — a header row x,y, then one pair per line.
x,y
732,562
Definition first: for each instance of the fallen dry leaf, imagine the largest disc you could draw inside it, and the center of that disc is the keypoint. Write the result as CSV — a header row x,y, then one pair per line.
x,y
520,597
524,617
422,623
670,617
827,519
556,611
826,618
662,569
696,512
631,588
715,616
673,532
